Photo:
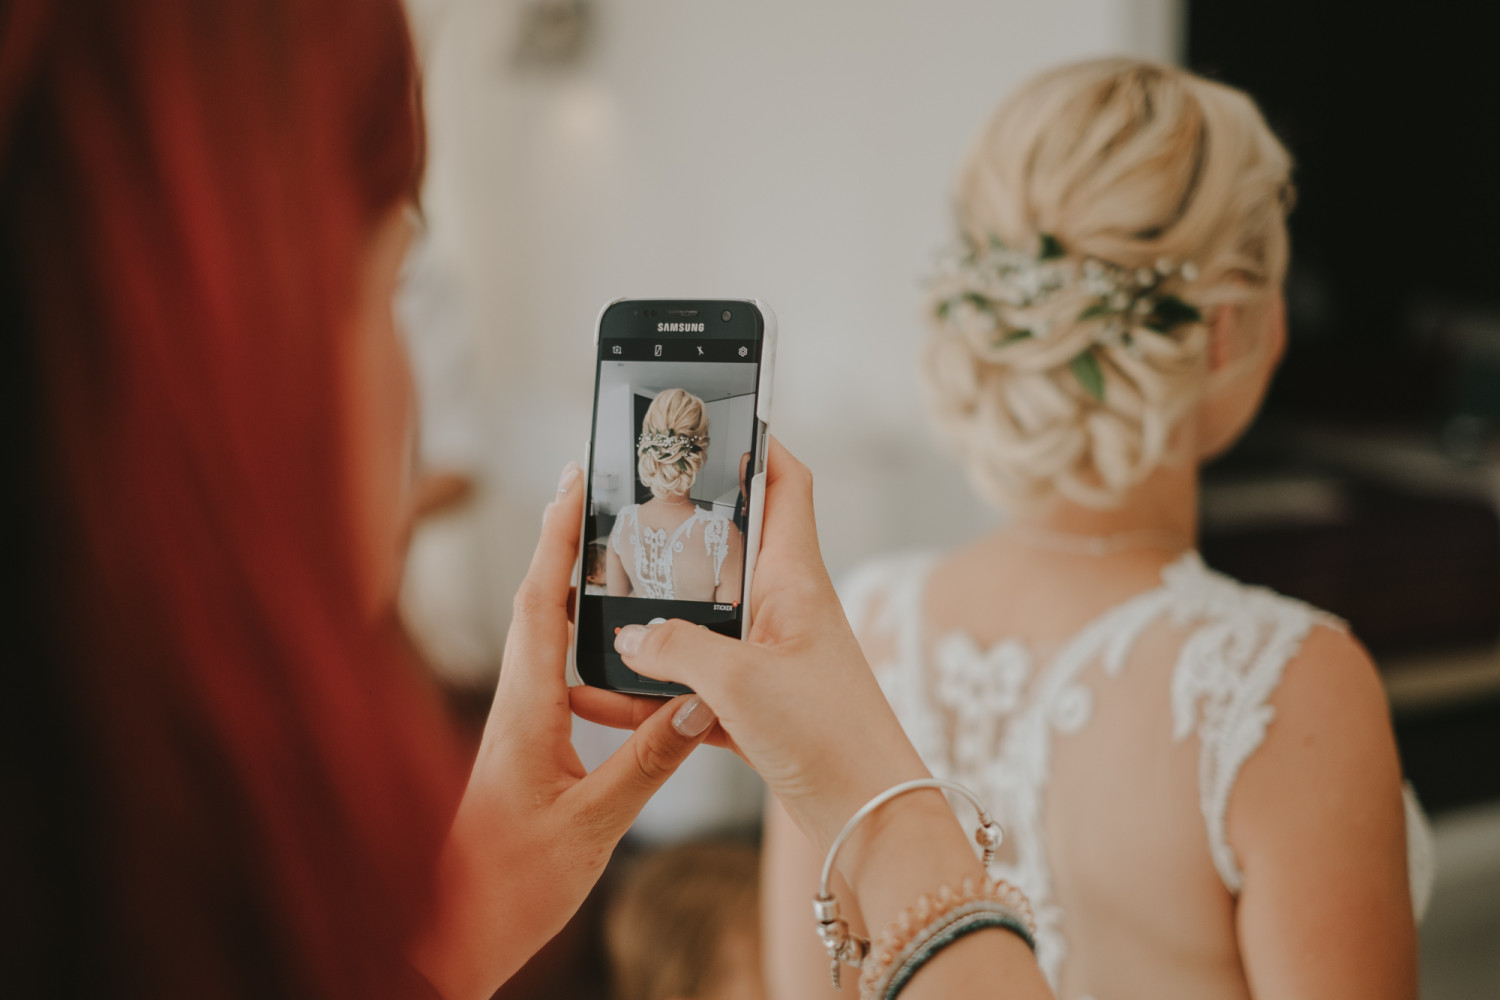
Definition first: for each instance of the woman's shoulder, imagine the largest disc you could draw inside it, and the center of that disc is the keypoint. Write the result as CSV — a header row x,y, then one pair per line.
x,y
1265,678
626,515
715,515
1242,639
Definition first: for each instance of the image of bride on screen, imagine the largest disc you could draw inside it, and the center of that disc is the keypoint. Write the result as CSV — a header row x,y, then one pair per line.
x,y
670,547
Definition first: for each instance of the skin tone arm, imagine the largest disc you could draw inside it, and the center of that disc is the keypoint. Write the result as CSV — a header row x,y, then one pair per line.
x,y
617,581
1318,825
731,579
796,964
798,701
534,830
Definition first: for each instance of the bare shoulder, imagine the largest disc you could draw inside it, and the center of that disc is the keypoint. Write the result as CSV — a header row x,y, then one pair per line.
x,y
1328,768
1330,701
1318,822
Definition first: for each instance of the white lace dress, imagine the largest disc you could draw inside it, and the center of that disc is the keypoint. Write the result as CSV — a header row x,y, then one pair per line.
x,y
993,718
650,555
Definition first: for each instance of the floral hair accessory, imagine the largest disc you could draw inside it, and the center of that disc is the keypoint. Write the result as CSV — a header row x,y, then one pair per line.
x,y
673,444
985,278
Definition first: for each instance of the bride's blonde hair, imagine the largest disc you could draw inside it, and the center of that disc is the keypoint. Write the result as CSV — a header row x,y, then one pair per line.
x,y
673,444
1124,162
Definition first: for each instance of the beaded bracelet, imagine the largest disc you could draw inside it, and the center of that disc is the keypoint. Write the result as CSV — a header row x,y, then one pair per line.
x,y
919,932
833,931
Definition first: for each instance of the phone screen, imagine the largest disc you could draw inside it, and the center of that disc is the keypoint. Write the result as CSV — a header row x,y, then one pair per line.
x,y
676,441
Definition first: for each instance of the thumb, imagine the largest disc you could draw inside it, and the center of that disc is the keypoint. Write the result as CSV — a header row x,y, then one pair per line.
x,y
681,652
614,793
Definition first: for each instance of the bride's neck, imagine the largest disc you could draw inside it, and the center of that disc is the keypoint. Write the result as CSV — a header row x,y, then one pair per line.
x,y
674,499
1166,503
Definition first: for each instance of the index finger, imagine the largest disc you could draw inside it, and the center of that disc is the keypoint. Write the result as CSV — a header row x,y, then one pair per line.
x,y
537,642
626,711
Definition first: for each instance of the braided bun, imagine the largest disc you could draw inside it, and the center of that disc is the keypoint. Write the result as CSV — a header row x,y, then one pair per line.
x,y
673,444
1116,161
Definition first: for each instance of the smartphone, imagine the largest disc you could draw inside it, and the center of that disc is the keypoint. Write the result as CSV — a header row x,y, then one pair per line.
x,y
675,474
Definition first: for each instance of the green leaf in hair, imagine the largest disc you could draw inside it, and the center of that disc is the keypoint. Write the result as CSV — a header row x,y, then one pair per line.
x,y
1050,248
1085,368
1011,337
945,307
1096,311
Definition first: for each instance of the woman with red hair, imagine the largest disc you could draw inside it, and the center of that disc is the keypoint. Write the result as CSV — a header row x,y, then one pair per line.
x,y
227,776
222,773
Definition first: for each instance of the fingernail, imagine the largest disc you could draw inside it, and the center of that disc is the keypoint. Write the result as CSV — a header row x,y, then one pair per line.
x,y
693,717
628,640
569,474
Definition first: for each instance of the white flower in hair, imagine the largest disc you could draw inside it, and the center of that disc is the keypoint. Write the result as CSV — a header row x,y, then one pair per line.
x,y
661,441
983,279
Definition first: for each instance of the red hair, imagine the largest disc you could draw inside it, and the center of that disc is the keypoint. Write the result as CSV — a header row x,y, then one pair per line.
x,y
235,782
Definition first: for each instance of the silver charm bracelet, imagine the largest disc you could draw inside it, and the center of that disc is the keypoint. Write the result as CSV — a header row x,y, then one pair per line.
x,y
833,930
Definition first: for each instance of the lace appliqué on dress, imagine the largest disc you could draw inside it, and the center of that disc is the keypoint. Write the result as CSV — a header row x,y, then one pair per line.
x,y
1226,673
987,717
654,548
1003,716
1239,642
716,540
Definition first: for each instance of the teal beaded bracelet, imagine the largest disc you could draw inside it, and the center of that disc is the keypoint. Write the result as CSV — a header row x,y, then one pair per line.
x,y
960,923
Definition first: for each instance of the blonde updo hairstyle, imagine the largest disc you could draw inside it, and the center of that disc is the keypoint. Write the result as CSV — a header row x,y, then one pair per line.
x,y
1133,164
673,444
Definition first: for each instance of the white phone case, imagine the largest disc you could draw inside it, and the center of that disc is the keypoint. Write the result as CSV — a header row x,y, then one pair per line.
x,y
755,514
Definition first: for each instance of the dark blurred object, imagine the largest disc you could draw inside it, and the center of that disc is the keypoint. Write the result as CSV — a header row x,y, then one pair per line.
x,y
1394,124
1408,572
1451,753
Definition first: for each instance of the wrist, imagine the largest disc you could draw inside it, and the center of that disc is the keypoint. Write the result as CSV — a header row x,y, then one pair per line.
x,y
442,951
909,846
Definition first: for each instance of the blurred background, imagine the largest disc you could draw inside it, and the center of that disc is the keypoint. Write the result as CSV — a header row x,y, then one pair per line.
x,y
803,153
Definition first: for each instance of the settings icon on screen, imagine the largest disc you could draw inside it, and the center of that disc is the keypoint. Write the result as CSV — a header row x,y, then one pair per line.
x,y
744,351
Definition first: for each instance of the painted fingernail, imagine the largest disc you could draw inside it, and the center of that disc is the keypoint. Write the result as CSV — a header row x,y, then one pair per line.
x,y
569,474
628,641
693,717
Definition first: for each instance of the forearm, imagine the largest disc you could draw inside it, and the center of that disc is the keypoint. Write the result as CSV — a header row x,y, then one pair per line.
x,y
796,964
490,915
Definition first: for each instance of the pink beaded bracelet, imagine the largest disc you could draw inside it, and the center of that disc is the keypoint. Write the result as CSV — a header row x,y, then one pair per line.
x,y
919,931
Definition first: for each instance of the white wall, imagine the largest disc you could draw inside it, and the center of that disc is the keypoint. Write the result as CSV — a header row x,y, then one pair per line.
x,y
729,427
799,152
614,475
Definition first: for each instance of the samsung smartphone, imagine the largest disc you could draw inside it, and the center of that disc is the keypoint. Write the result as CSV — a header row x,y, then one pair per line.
x,y
675,475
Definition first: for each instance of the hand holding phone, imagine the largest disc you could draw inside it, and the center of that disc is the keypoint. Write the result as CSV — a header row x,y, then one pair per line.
x,y
675,475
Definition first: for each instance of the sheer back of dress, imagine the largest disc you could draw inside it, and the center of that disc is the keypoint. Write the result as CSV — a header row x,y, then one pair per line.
x,y
673,555
1108,753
